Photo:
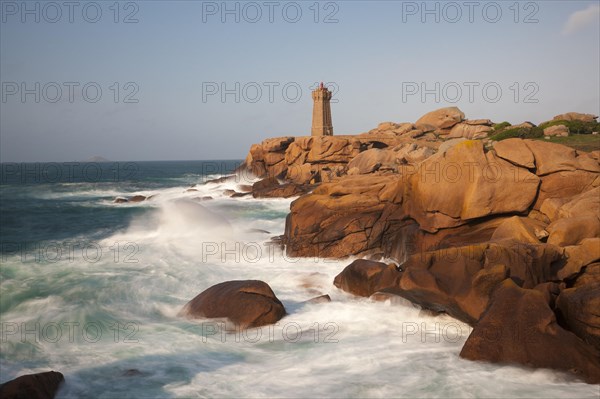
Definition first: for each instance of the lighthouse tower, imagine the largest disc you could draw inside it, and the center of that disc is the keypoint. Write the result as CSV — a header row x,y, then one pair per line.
x,y
321,121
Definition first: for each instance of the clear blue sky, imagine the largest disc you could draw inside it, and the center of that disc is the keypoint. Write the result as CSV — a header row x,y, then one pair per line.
x,y
377,54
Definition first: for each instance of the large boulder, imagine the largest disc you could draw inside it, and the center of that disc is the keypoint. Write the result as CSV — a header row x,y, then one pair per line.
x,y
412,153
522,229
478,122
465,183
469,131
515,151
33,386
566,184
331,149
407,238
267,158
454,281
460,280
577,306
556,130
519,327
443,118
365,277
371,160
573,230
341,218
552,158
585,204
575,116
579,256
246,303
271,188
392,127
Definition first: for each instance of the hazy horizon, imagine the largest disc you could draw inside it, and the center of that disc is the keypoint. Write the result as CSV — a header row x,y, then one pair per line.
x,y
195,81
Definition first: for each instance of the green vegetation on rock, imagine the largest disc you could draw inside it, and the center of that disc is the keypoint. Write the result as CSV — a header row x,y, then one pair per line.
x,y
575,127
500,126
580,142
519,132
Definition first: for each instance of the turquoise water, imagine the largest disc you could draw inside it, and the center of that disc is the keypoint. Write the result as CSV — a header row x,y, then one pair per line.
x,y
92,289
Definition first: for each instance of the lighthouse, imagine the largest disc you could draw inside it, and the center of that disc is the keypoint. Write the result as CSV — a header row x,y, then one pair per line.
x,y
321,120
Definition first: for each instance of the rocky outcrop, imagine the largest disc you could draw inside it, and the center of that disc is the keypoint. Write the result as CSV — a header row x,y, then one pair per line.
x,y
33,386
459,185
246,303
519,327
446,190
313,159
480,228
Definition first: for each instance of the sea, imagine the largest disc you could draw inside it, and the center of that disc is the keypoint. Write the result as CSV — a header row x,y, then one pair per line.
x,y
93,289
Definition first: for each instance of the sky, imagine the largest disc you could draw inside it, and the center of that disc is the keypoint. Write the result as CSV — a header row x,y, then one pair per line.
x,y
188,80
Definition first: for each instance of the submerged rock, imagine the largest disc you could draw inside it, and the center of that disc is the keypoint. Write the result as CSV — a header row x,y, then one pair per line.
x,y
135,198
319,299
138,198
222,179
365,277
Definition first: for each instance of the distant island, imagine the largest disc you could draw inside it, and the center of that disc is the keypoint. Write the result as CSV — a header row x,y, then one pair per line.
x,y
96,158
